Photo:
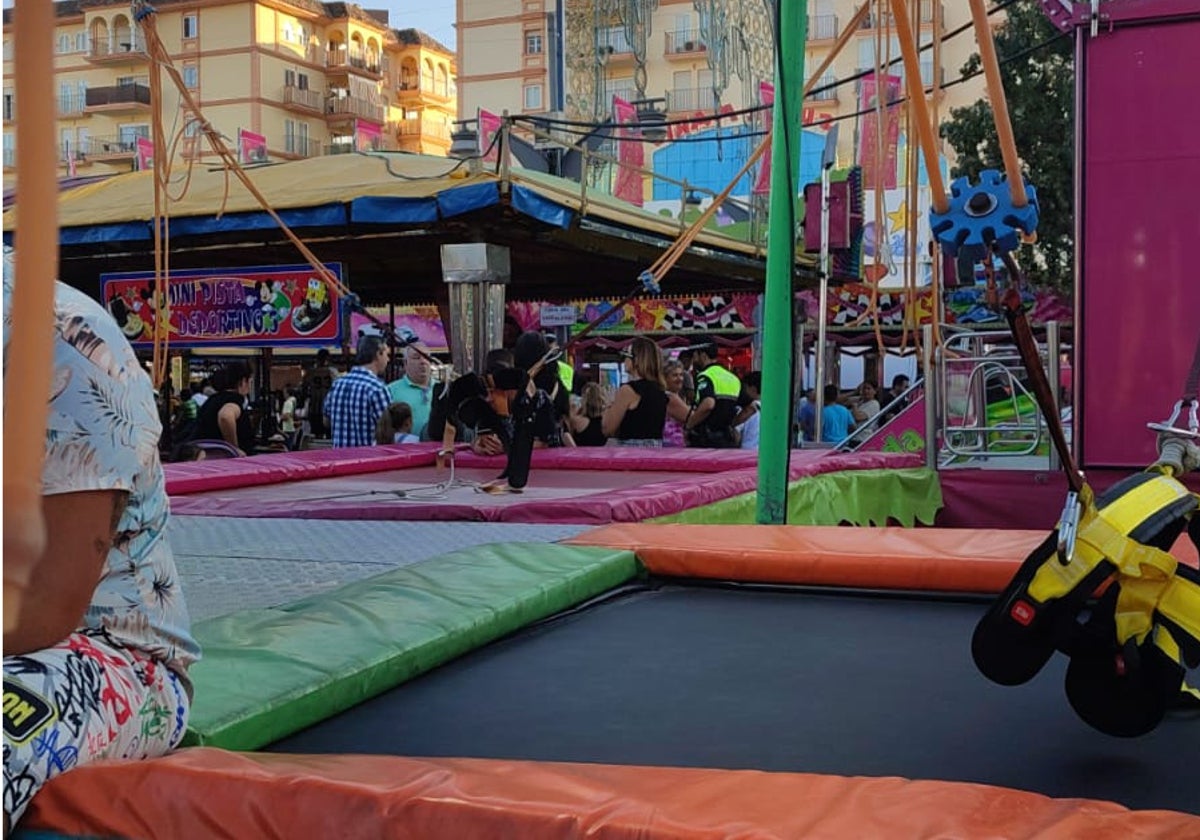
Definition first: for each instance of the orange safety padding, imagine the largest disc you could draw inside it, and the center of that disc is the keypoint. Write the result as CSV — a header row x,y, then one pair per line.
x,y
931,559
205,792
934,559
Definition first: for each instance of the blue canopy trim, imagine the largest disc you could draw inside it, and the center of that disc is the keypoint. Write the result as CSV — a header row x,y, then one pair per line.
x,y
376,210
541,208
323,215
461,200
90,234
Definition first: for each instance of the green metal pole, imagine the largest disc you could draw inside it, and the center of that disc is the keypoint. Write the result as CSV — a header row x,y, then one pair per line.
x,y
775,430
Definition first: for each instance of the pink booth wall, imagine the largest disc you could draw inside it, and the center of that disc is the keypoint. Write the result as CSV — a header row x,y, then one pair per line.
x,y
1139,218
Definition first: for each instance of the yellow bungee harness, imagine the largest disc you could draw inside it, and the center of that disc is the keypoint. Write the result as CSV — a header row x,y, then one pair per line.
x,y
1104,590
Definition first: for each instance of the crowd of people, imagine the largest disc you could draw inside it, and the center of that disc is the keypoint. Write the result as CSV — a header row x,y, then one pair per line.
x,y
662,400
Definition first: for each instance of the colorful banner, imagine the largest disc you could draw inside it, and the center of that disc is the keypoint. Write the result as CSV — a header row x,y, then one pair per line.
x,y
252,148
699,312
766,96
368,136
423,321
630,155
267,306
891,233
875,172
849,305
489,127
143,150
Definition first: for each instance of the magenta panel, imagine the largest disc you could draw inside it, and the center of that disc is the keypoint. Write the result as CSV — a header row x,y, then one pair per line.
x,y
1140,296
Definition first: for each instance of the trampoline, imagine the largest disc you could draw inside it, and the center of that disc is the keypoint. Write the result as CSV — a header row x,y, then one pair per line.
x,y
571,485
804,682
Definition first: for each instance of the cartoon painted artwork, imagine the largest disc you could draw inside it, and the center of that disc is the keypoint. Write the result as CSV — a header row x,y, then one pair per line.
x,y
316,308
260,306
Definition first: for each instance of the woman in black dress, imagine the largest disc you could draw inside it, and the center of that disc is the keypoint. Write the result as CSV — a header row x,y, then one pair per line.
x,y
639,410
587,419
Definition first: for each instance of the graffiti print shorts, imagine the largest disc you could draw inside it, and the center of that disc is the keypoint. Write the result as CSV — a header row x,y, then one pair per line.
x,y
82,700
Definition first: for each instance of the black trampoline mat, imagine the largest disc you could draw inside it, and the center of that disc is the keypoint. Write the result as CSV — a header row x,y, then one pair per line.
x,y
782,681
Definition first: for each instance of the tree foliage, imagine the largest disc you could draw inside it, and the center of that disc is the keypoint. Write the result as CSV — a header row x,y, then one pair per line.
x,y
1038,72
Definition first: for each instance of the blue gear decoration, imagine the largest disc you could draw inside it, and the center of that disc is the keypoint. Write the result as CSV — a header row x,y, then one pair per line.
x,y
982,217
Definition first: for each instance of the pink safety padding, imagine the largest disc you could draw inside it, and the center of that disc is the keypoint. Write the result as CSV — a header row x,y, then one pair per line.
x,y
573,490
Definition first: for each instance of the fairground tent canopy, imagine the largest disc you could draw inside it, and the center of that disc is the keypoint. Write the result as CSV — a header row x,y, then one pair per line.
x,y
384,216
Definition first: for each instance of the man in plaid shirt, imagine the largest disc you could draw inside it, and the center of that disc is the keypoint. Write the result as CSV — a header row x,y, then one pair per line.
x,y
357,400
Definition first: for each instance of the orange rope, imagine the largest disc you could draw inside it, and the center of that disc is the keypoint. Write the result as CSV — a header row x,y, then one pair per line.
x,y
31,337
995,89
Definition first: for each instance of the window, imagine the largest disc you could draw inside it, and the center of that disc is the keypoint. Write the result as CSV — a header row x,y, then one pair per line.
x,y
81,42
9,107
191,76
191,128
533,42
129,133
82,139
64,44
302,81
289,78
191,26
65,142
533,97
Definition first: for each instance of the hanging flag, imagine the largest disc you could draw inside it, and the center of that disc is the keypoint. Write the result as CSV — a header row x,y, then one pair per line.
x,y
252,148
489,127
143,150
766,96
630,155
879,173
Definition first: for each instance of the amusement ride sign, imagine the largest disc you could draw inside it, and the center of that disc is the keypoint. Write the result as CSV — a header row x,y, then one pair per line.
x,y
264,306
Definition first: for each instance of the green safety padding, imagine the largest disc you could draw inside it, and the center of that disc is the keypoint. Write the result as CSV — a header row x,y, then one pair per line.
x,y
271,672
861,497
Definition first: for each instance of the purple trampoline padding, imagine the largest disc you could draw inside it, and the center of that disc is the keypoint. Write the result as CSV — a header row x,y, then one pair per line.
x,y
575,486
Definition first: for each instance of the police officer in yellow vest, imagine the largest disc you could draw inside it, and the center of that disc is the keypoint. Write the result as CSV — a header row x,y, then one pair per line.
x,y
566,373
710,423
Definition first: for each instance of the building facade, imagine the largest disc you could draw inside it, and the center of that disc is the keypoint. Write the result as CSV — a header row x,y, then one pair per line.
x,y
690,58
279,80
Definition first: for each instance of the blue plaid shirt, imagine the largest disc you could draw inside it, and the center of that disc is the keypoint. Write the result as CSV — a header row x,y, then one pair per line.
x,y
353,407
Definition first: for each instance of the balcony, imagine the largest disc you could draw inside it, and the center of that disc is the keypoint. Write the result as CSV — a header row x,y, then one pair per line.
x,y
122,48
301,146
71,106
825,90
822,27
353,60
353,107
126,98
65,153
628,93
684,43
303,100
110,148
352,147
897,69
612,48
875,20
418,128
690,99
413,91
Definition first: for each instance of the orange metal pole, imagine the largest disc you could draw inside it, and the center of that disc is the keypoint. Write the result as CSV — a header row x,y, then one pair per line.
x,y
995,89
27,383
920,109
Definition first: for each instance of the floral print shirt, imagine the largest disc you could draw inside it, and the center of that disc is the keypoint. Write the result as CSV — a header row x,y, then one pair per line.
x,y
102,434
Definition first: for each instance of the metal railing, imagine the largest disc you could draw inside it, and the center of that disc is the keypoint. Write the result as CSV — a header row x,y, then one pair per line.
x,y
354,106
874,19
128,94
691,99
983,406
117,45
684,41
822,27
416,127
109,146
829,94
304,97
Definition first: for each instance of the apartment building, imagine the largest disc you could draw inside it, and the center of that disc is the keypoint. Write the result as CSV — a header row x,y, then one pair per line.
x,y
572,58
279,80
